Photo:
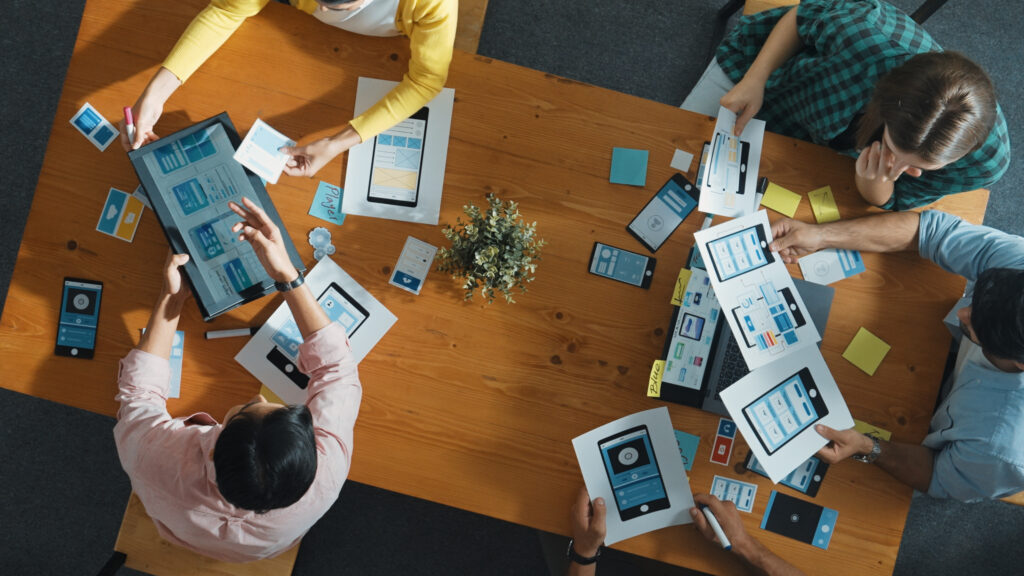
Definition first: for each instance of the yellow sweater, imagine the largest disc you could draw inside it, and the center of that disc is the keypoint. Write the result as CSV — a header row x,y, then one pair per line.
x,y
429,24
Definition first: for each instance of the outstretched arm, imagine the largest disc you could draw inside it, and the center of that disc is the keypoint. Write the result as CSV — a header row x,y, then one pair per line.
x,y
891,232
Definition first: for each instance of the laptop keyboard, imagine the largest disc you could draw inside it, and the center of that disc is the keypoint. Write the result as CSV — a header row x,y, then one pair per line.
x,y
733,367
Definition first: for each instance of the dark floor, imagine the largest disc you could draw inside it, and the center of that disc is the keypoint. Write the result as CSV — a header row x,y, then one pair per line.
x,y
61,486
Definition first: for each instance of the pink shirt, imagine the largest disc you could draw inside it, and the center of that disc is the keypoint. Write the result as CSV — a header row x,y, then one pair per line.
x,y
170,460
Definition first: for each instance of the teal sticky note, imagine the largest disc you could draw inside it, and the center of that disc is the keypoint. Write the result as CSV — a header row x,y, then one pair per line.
x,y
327,203
687,448
629,167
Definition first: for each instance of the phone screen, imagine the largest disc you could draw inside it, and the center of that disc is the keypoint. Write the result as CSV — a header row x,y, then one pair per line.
x,y
79,318
740,252
780,414
618,264
664,213
633,473
727,170
340,308
397,158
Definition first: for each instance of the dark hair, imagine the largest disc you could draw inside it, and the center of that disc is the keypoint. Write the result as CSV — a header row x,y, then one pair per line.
x,y
266,462
997,312
939,105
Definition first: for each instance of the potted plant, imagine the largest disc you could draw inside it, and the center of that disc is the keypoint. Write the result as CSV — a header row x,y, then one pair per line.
x,y
495,250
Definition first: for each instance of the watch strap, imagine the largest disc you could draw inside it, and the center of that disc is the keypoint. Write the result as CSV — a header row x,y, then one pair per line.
x,y
289,286
571,554
870,457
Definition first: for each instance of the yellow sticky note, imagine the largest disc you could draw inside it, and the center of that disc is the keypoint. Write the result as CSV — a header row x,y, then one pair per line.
x,y
866,351
680,289
654,384
781,200
865,428
823,204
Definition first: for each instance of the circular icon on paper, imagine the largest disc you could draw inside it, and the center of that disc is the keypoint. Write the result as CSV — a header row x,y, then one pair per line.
x,y
628,456
794,518
80,301
606,253
645,508
655,222
328,304
824,528
821,268
813,393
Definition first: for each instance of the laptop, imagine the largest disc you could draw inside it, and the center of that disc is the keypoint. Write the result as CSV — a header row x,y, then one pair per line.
x,y
702,355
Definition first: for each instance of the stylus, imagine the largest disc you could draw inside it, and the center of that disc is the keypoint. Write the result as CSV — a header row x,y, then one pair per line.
x,y
129,124
214,334
716,527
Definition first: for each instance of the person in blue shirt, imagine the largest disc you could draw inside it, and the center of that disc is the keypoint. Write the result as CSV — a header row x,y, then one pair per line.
x,y
975,446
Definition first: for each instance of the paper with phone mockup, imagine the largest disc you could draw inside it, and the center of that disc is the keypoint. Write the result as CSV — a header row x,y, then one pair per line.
x,y
742,494
765,312
831,265
729,182
121,215
777,407
640,452
259,151
271,355
413,265
96,129
411,168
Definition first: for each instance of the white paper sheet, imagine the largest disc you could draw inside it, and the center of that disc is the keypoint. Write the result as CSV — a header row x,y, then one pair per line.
x,y
729,181
786,416
629,456
399,173
765,311
271,351
259,151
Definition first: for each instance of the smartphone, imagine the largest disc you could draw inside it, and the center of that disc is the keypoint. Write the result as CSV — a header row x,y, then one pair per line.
x,y
664,212
79,317
740,252
622,265
806,478
396,161
799,520
633,473
778,415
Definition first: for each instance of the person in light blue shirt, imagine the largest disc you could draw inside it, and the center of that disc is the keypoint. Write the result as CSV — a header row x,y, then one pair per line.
x,y
975,448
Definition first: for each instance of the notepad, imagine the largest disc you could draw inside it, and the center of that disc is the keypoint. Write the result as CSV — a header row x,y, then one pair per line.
x,y
629,167
866,351
781,200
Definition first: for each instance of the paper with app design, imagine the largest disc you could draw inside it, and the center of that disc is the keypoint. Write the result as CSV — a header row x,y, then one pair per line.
x,y
634,464
728,184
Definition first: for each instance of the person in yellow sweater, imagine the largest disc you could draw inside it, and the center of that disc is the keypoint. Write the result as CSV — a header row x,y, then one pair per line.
x,y
429,24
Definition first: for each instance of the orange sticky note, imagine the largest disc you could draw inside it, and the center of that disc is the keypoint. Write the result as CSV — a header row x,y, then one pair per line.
x,y
866,351
781,200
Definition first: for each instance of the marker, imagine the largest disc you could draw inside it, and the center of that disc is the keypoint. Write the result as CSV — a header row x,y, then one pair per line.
x,y
129,124
215,334
716,527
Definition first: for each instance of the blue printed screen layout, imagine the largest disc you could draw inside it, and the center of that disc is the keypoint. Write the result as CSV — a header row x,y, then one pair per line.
x,y
397,156
740,252
622,265
633,473
79,318
806,478
664,212
780,414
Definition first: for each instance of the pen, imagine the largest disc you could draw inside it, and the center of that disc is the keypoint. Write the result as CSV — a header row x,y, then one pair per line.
x,y
129,124
716,527
214,334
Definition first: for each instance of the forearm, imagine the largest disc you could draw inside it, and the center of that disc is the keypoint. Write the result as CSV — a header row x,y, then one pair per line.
x,y
764,562
163,322
909,463
580,570
875,192
160,87
347,138
891,232
308,314
781,45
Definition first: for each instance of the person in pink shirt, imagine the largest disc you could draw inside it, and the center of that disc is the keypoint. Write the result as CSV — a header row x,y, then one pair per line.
x,y
252,486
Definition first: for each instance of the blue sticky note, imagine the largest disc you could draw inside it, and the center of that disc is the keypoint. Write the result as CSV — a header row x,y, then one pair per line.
x,y
327,203
687,448
629,167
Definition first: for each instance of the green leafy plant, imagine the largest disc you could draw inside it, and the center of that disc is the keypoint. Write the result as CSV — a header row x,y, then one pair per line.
x,y
494,251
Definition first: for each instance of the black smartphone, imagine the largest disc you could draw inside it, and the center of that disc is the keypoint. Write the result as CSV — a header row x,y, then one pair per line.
x,y
79,318
622,265
780,414
633,472
397,160
660,217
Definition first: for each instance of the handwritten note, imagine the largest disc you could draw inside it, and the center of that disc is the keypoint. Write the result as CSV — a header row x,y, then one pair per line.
x,y
680,290
654,384
327,203
870,430
823,204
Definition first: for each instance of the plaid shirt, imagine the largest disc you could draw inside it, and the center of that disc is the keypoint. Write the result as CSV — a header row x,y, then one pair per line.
x,y
847,46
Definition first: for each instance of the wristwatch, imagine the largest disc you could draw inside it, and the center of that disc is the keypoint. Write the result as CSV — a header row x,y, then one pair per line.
x,y
289,286
571,554
870,457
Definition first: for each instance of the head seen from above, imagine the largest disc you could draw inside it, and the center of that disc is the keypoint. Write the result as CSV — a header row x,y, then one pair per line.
x,y
933,110
265,456
995,319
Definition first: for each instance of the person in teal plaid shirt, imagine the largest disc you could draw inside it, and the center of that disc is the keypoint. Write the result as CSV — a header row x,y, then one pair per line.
x,y
863,78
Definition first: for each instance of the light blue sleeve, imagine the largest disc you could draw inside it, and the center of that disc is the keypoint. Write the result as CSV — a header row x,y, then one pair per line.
x,y
965,249
965,471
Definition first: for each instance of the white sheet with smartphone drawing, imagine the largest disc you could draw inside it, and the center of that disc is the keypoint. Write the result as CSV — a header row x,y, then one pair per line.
x,y
728,183
399,149
765,312
666,457
777,407
366,321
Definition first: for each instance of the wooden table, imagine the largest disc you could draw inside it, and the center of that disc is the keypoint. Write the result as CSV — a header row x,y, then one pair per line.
x,y
468,405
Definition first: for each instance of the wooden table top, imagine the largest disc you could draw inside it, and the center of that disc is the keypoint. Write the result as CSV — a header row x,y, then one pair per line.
x,y
465,404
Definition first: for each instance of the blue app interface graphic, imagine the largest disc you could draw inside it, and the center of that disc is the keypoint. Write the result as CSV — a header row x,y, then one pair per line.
x,y
738,253
339,308
79,316
782,413
799,478
633,472
624,266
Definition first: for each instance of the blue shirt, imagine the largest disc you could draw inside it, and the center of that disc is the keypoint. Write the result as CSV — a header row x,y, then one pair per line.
x,y
978,430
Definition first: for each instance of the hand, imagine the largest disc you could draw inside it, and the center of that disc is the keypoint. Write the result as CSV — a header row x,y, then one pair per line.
x,y
174,284
588,527
794,238
266,240
745,100
146,113
309,159
842,444
728,518
877,163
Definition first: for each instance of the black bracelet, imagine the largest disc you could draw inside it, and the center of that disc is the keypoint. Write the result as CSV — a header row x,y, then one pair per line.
x,y
289,286
571,554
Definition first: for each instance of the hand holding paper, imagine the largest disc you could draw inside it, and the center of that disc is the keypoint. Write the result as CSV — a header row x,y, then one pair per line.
x,y
842,444
588,524
309,159
793,239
